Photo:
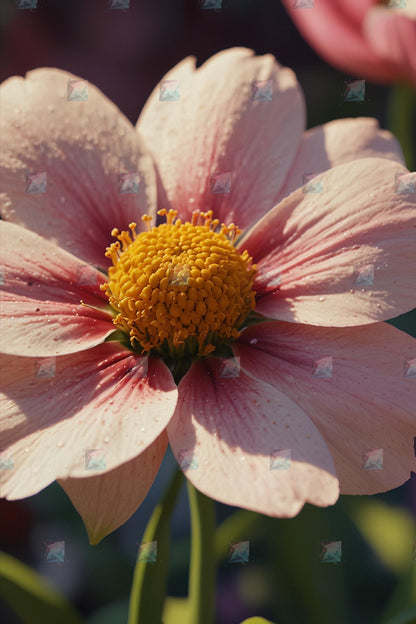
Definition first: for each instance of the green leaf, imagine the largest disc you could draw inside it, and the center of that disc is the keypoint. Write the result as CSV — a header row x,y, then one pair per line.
x,y
401,120
149,581
256,620
402,606
202,567
31,596
176,610
390,531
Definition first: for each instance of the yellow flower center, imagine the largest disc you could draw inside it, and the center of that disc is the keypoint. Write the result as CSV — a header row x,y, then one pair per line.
x,y
180,289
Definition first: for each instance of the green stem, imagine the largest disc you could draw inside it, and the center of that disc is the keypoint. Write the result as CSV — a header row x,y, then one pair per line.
x,y
401,120
202,566
149,582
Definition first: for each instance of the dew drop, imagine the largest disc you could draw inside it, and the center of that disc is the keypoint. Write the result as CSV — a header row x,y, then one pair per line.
x,y
321,298
60,444
142,429
106,440
253,341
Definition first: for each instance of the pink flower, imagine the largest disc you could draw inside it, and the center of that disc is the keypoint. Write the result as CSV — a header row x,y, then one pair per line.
x,y
319,397
368,38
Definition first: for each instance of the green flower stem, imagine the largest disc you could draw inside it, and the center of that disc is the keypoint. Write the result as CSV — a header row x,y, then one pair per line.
x,y
149,582
202,571
401,120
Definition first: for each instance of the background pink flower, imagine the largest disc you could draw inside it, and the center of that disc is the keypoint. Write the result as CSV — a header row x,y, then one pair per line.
x,y
369,39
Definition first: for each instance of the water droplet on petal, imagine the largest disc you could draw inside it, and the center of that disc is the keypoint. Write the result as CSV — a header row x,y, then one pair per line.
x,y
60,444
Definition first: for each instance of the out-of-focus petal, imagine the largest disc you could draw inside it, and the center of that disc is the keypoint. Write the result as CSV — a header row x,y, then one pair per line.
x,y
392,35
242,442
224,136
356,384
62,417
341,251
72,166
42,288
108,500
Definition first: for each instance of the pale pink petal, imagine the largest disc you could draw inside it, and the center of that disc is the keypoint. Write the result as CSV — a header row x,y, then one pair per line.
x,y
345,255
41,292
392,35
227,434
60,417
356,384
337,142
84,148
334,30
108,500
229,141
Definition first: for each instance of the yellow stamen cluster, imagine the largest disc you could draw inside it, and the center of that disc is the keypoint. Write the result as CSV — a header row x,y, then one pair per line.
x,y
181,289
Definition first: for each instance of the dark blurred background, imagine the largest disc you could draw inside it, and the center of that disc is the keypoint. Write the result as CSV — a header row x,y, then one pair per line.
x,y
126,52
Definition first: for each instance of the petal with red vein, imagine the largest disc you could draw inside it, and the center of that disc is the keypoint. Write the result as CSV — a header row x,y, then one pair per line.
x,y
227,434
54,414
42,288
86,148
356,384
106,501
345,255
229,140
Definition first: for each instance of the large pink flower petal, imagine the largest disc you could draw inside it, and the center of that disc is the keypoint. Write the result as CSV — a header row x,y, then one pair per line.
x,y
226,434
343,256
108,500
56,413
84,148
221,146
356,384
42,288
333,28
337,142
392,35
